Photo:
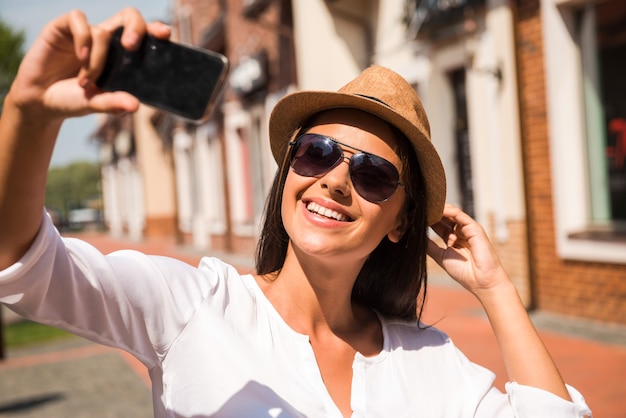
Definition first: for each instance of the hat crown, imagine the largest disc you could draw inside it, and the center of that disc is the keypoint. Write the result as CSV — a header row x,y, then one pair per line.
x,y
389,88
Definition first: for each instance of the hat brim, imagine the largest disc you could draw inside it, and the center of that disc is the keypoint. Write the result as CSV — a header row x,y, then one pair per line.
x,y
293,110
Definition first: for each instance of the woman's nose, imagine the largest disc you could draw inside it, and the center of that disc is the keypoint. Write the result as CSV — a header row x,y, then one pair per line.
x,y
337,180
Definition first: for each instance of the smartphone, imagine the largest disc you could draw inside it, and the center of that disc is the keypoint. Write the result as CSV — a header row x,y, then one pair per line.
x,y
176,78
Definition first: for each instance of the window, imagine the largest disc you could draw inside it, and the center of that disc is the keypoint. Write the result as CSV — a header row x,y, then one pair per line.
x,y
248,184
583,91
462,140
601,36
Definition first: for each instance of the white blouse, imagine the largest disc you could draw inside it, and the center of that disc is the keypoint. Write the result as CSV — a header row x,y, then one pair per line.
x,y
215,346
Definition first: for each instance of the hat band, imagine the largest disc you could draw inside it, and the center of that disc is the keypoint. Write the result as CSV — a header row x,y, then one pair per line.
x,y
376,99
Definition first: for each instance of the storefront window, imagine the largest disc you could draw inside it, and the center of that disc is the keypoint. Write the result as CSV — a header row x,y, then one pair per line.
x,y
602,39
584,54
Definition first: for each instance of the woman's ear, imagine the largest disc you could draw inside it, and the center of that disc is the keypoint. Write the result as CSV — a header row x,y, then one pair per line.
x,y
403,222
396,234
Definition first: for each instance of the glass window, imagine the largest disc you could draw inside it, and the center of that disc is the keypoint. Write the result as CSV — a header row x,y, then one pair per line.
x,y
584,62
601,35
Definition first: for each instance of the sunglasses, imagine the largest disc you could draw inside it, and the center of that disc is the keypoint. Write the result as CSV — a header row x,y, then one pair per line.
x,y
373,177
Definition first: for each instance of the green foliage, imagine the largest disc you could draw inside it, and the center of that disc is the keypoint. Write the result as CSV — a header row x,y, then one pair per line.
x,y
72,186
11,54
25,333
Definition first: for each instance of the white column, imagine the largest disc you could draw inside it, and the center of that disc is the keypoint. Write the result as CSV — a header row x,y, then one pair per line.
x,y
183,167
110,195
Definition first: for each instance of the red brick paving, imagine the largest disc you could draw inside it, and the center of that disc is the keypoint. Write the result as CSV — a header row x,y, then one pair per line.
x,y
595,368
54,356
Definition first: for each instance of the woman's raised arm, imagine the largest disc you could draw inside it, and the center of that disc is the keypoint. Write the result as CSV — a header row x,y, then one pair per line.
x,y
55,81
468,256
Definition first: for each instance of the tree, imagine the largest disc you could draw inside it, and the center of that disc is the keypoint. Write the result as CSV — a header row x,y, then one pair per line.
x,y
72,187
11,54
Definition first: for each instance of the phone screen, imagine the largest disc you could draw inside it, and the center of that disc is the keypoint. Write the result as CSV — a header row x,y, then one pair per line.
x,y
176,78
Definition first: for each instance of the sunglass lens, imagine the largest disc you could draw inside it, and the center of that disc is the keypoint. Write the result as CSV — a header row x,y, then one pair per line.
x,y
313,155
373,177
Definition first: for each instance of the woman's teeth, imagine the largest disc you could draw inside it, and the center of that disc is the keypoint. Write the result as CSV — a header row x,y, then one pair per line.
x,y
320,210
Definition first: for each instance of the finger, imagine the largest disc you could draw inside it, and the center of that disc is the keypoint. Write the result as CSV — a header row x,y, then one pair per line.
x,y
113,102
79,29
134,27
456,216
159,30
443,227
97,57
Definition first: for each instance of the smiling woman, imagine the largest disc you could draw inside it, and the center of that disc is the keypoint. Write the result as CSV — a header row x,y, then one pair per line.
x,y
329,325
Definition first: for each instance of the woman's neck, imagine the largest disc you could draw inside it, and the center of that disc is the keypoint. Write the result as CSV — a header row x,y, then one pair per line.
x,y
314,296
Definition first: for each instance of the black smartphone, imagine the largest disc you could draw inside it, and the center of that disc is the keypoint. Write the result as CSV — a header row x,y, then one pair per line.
x,y
180,79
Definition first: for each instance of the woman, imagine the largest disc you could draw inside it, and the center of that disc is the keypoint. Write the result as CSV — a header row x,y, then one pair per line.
x,y
329,325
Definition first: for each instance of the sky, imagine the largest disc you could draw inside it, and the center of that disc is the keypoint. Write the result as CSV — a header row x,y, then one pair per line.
x,y
73,143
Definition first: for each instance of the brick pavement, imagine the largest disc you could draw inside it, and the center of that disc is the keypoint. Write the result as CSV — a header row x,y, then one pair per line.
x,y
77,378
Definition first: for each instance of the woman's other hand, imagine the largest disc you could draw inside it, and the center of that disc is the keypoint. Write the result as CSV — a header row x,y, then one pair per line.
x,y
466,252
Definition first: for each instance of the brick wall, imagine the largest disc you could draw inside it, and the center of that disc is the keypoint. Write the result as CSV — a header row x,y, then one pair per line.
x,y
271,31
159,227
202,14
591,290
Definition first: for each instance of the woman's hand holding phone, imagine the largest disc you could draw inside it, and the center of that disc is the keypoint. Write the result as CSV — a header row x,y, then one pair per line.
x,y
56,79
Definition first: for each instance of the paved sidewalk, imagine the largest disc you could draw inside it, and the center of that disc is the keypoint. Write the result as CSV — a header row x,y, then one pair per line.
x,y
75,378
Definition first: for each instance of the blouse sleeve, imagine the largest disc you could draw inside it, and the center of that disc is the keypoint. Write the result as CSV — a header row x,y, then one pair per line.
x,y
126,299
532,402
522,401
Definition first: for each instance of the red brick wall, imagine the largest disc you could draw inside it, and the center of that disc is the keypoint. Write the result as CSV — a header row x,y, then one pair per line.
x,y
160,227
592,290
247,36
202,14
244,37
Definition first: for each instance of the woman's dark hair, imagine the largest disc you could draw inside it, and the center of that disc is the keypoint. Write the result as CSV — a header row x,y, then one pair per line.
x,y
393,279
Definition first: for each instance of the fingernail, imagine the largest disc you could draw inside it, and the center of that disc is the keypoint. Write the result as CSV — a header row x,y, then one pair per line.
x,y
83,53
131,39
84,82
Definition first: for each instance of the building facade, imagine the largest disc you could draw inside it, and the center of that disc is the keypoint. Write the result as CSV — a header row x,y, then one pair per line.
x,y
526,107
544,93
572,57
224,168
468,81
205,184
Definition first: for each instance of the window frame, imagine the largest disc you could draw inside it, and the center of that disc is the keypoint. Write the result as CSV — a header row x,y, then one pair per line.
x,y
575,239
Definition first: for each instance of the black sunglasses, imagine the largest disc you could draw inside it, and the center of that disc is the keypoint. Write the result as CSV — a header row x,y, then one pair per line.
x,y
373,177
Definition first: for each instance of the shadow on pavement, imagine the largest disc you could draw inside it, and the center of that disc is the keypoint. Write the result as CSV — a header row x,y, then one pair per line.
x,y
32,402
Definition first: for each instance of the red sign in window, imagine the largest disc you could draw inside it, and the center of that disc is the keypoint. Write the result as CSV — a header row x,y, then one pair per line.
x,y
617,152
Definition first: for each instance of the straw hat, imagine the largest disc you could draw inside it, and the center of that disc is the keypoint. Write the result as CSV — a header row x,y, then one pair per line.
x,y
383,93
